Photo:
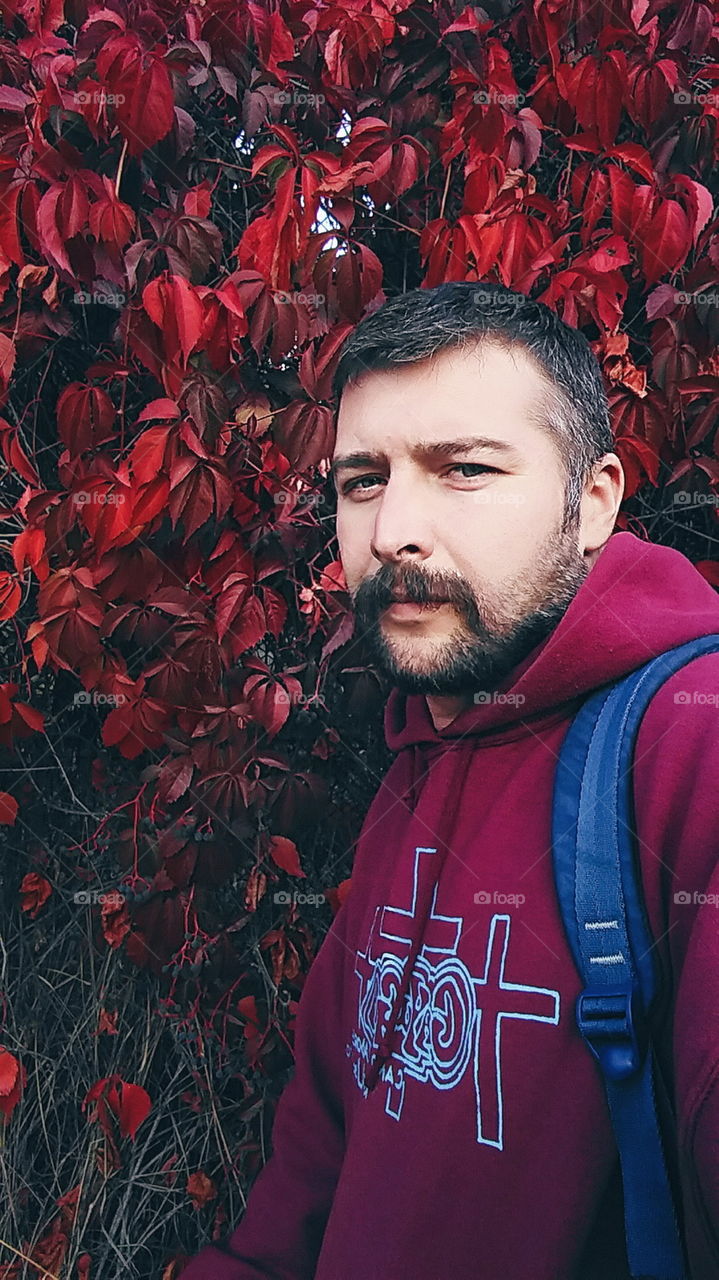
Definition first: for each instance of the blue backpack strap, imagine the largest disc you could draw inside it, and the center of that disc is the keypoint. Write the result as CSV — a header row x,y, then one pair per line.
x,y
598,883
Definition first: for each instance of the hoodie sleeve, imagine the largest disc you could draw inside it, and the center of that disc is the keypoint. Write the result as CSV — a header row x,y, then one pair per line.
x,y
677,800
280,1233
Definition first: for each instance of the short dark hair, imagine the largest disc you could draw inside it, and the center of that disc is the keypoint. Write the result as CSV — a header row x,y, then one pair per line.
x,y
418,325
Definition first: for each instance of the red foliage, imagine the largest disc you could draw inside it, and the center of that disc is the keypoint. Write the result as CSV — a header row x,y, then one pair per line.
x,y
172,307
13,1078
112,1099
34,891
201,1189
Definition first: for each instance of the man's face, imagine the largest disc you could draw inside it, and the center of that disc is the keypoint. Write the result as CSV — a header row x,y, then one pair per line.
x,y
476,537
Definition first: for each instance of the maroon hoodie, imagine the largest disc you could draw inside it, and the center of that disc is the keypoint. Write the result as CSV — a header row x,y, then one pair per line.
x,y
445,1120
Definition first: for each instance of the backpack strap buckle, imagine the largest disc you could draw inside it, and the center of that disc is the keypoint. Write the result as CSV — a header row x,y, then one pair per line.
x,y
608,1018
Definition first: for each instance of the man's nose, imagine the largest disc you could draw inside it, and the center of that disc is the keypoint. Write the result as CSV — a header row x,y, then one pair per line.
x,y
402,527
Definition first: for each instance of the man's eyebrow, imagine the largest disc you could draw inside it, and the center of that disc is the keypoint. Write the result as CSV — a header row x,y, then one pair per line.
x,y
429,450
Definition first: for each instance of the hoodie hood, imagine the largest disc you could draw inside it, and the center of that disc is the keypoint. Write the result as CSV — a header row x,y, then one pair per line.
x,y
637,601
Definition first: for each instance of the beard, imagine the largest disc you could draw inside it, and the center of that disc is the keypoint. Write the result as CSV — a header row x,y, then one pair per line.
x,y
493,635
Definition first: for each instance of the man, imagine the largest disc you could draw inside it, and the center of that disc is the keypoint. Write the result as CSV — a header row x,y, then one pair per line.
x,y
445,1120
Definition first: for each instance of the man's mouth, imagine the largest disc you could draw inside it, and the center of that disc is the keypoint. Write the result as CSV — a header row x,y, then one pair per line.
x,y
398,601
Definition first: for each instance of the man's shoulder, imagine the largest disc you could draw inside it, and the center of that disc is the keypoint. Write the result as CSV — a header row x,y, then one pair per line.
x,y
685,708
675,771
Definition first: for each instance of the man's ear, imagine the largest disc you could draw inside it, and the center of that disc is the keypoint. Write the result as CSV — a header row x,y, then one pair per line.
x,y
600,504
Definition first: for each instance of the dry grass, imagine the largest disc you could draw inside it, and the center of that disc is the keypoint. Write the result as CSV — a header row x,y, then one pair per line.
x,y
133,1222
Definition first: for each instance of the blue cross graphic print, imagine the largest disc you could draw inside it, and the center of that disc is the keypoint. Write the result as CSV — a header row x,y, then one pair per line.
x,y
443,1030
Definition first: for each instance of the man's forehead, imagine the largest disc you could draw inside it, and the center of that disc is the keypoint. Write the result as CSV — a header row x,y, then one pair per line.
x,y
457,381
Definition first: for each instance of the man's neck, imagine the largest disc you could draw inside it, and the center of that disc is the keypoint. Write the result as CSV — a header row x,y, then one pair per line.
x,y
444,710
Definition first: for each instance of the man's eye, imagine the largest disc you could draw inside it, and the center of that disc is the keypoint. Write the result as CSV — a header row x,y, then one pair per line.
x,y
474,469
473,466
352,484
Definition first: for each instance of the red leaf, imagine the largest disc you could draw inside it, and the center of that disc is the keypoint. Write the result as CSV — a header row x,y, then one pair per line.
x,y
15,100
197,202
636,156
107,1023
666,242
700,202
10,216
129,1103
134,1107
50,232
7,359
135,725
10,595
270,702
115,919
8,809
35,891
201,1189
275,607
111,222
249,627
162,408
148,453
9,1072
74,207
13,452
13,1078
85,417
284,854
175,778
610,254
29,548
640,462
147,503
332,577
229,602
275,42
145,110
338,895
173,304
247,1008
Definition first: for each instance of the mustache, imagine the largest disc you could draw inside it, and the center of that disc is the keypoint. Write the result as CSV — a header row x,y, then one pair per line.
x,y
380,591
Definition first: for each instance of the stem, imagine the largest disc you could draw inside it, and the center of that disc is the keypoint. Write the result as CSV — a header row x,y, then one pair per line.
x,y
446,188
118,179
46,1275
